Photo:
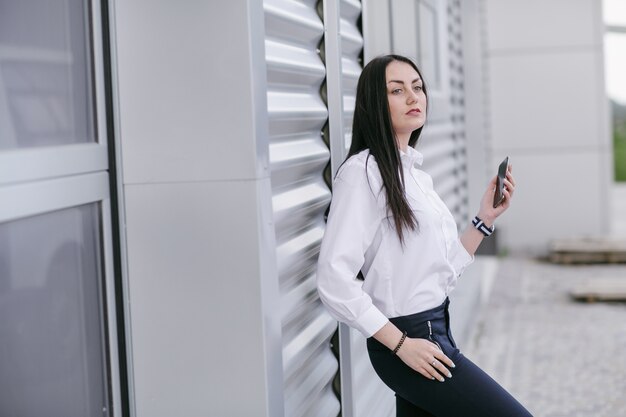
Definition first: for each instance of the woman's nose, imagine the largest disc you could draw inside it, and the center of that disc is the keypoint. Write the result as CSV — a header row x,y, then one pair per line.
x,y
412,97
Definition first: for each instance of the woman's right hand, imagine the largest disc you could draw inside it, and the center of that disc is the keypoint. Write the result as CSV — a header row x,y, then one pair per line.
x,y
425,357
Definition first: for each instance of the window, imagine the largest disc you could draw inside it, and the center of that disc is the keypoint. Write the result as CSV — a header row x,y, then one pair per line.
x,y
615,66
45,68
51,313
57,318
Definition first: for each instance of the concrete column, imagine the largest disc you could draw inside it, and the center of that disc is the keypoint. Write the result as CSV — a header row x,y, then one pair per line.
x,y
204,327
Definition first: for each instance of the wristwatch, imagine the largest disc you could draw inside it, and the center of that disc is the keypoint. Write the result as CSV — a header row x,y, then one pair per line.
x,y
482,227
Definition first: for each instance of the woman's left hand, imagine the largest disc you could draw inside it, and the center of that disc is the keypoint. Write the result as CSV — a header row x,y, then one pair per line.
x,y
487,212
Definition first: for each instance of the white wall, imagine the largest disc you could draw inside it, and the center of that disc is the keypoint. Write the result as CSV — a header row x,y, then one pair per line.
x,y
547,110
192,145
204,329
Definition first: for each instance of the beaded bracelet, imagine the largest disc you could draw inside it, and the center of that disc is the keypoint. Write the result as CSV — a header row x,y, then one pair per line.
x,y
400,343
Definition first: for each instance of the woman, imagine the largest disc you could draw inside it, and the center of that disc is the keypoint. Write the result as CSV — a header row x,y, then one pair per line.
x,y
387,222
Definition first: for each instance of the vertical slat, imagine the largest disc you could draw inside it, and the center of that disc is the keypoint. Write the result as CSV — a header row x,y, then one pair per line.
x,y
351,65
298,157
459,201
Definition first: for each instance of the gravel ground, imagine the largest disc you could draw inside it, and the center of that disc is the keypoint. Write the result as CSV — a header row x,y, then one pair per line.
x,y
558,357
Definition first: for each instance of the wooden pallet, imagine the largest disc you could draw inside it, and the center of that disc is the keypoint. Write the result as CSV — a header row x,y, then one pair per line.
x,y
588,251
601,289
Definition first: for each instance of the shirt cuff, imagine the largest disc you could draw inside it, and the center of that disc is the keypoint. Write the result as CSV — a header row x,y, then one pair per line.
x,y
370,322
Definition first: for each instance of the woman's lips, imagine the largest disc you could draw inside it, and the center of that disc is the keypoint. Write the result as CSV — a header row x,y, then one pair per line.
x,y
414,111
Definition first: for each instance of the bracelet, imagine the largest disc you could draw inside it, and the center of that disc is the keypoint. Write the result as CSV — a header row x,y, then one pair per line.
x,y
400,343
482,227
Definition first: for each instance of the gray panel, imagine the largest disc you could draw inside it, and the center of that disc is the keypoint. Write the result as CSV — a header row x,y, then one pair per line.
x,y
298,157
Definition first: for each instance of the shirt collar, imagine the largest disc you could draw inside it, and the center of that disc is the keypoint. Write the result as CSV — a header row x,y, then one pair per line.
x,y
411,156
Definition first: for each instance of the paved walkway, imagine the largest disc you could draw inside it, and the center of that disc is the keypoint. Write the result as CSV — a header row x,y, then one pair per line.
x,y
560,358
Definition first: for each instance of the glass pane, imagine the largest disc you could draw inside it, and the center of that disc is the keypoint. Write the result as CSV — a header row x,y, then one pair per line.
x,y
45,87
51,321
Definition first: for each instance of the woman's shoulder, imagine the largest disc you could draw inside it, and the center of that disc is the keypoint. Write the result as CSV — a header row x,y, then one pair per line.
x,y
360,164
361,169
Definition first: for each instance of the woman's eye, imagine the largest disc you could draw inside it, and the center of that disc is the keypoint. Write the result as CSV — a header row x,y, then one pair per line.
x,y
396,91
417,88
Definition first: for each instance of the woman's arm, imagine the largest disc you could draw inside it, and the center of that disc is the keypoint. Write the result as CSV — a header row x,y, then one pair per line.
x,y
472,237
422,355
354,217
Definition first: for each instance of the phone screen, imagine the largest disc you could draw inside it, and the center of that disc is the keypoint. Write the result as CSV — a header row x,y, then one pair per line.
x,y
498,197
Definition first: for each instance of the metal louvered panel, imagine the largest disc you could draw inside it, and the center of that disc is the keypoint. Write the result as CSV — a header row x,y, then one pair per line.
x,y
443,144
418,28
457,202
351,49
437,146
441,165
298,156
373,397
368,396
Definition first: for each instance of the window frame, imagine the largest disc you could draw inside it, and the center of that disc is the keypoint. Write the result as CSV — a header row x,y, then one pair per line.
x,y
37,163
41,180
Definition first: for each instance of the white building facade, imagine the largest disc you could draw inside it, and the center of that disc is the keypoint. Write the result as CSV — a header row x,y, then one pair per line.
x,y
165,166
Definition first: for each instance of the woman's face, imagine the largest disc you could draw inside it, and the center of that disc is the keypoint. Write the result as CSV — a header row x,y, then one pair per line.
x,y
407,100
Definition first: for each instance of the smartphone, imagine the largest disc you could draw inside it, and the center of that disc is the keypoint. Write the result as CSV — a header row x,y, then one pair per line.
x,y
498,197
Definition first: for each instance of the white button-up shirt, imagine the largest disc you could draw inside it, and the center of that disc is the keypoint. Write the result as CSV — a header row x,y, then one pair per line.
x,y
360,235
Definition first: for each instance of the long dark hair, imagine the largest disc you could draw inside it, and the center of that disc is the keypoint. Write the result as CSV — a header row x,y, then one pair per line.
x,y
372,129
